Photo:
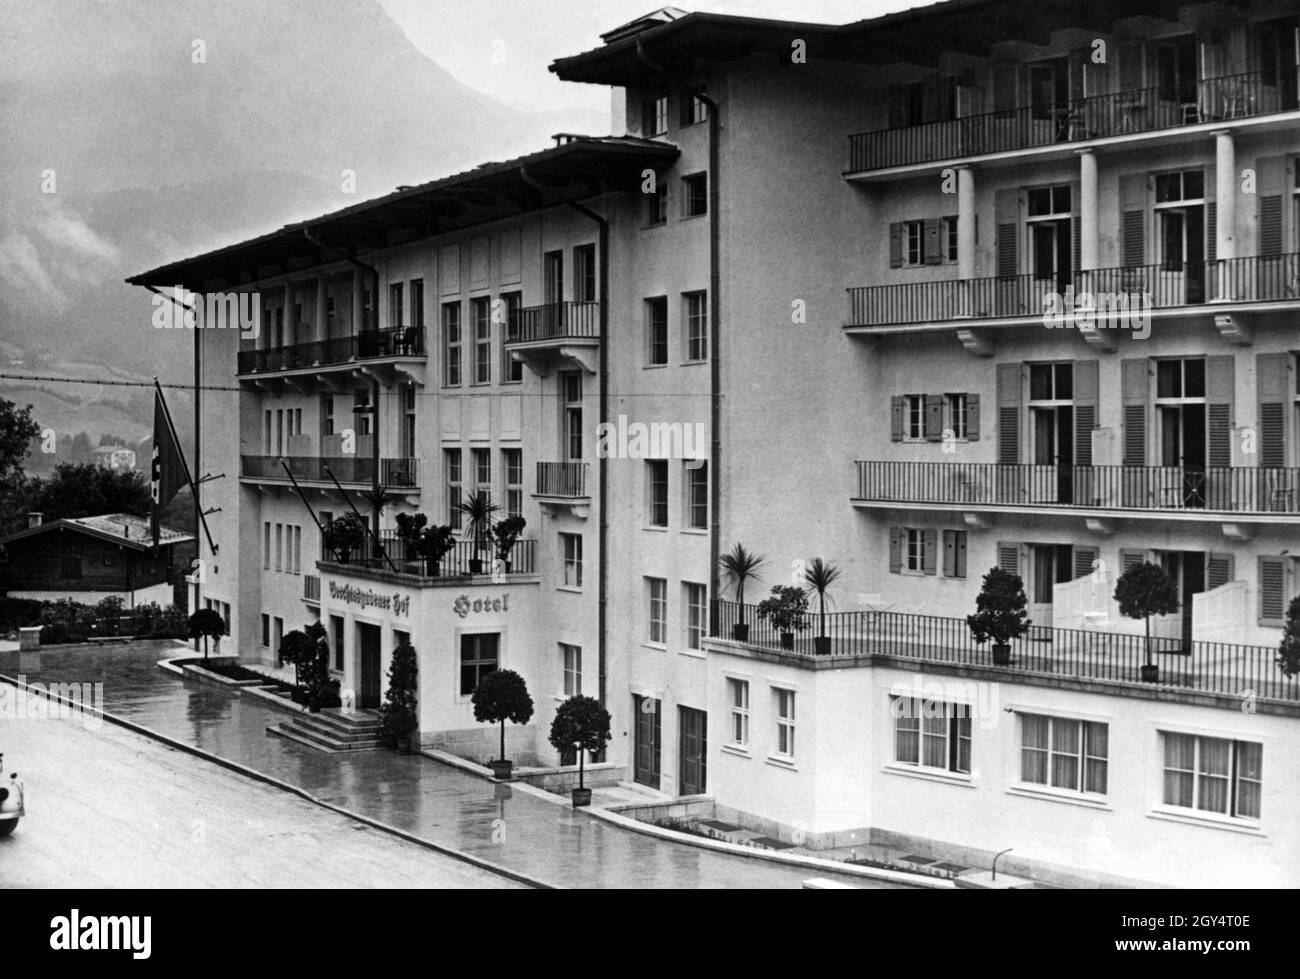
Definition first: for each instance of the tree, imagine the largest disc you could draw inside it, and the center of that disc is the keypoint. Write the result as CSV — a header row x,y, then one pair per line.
x,y
820,575
297,647
1288,652
205,622
318,688
1145,590
502,696
17,429
786,608
398,715
581,724
741,565
87,490
999,609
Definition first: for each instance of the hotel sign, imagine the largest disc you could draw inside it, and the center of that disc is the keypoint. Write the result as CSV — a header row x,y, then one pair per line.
x,y
463,606
366,598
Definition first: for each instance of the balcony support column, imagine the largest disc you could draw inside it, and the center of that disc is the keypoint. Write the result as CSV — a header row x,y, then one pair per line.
x,y
1225,191
322,323
357,287
965,235
1089,210
290,325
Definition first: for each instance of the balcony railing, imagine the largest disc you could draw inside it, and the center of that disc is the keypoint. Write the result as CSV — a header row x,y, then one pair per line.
x,y
1223,489
399,473
1222,668
398,341
556,321
456,563
1125,290
1098,116
562,479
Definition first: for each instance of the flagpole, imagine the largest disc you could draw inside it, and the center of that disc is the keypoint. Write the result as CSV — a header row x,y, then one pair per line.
x,y
185,467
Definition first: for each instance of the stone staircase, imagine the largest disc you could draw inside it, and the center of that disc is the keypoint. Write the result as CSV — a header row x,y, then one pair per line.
x,y
331,730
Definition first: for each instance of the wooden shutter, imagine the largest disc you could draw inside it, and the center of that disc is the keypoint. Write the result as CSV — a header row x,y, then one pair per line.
x,y
1009,557
1006,85
1211,231
929,550
897,413
1132,63
1076,226
932,241
1218,571
1220,388
1270,178
973,417
1270,382
896,245
895,549
1006,219
959,571
1133,399
1272,583
1130,557
1083,560
949,553
1133,216
934,417
1085,409
1008,379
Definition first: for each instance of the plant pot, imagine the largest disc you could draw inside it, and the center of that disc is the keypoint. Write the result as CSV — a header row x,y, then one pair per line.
x,y
822,645
740,632
430,568
344,556
476,565
787,640
581,797
506,563
501,768
404,744
1001,654
1151,674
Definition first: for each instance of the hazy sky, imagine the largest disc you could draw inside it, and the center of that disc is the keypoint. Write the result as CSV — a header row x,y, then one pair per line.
x,y
503,47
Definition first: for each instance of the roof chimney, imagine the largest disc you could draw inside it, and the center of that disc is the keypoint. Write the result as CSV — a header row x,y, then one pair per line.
x,y
35,519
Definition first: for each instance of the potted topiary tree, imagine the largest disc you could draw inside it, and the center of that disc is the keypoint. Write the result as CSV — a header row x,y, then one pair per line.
x,y
1000,613
433,545
398,715
1142,591
581,724
786,609
410,528
297,648
1288,651
506,535
502,696
478,509
206,622
343,535
319,689
741,566
820,575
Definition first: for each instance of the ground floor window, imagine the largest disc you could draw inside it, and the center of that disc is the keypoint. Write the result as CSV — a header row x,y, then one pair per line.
x,y
932,734
1063,753
1212,774
738,700
478,658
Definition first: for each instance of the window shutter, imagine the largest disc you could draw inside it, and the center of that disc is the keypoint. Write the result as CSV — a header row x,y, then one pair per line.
x,y
1130,558
1220,395
1218,571
1085,409
960,570
1008,414
929,548
1076,225
1270,177
1270,381
1131,65
1133,205
932,243
896,412
1006,78
1211,231
1133,396
934,417
1009,557
1083,560
973,417
895,245
1006,218
895,549
1272,577
949,553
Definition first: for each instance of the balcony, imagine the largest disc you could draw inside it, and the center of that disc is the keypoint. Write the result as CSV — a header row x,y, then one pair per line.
x,y
399,473
563,484
1115,659
543,335
1097,117
1228,284
392,556
1207,493
392,345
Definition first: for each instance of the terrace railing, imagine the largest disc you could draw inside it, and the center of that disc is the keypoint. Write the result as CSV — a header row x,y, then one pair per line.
x,y
562,479
398,341
456,563
555,321
394,473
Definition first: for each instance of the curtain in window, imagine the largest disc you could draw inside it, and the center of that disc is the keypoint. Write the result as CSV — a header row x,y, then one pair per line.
x,y
1214,767
1096,751
1180,757
1065,754
1033,751
1249,773
935,741
907,733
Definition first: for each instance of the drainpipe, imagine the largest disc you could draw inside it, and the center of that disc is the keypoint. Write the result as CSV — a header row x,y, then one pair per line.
x,y
715,315
602,600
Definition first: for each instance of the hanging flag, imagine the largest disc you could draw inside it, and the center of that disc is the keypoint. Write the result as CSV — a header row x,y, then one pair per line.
x,y
167,471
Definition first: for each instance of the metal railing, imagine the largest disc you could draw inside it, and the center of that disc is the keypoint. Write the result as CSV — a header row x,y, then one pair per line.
x,y
1227,489
461,561
1134,111
555,321
397,473
1223,668
562,479
1118,293
397,341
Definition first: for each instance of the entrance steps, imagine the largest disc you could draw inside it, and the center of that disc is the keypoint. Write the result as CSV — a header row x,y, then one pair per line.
x,y
332,730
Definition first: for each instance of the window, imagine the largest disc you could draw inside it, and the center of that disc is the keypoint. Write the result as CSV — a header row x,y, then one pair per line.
x,y
1212,774
784,722
656,474
656,318
695,195
267,430
693,597
571,391
481,310
327,414
279,547
483,471
694,109
571,549
738,702
297,549
407,396
954,554
266,546
417,304
954,415
657,202
913,243
453,487
654,116
1049,226
914,417
1063,753
478,658
657,589
1180,379
584,274
914,556
571,669
1051,382
512,371
336,631
950,238
697,494
395,296
360,401
451,344
512,460
266,629
931,734
697,326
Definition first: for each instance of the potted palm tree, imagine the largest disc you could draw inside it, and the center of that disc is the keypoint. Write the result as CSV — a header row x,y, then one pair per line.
x,y
398,715
1142,591
506,535
478,509
786,608
345,535
820,575
741,565
502,696
1000,613
581,724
